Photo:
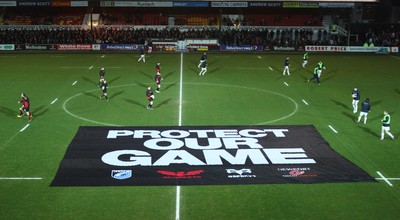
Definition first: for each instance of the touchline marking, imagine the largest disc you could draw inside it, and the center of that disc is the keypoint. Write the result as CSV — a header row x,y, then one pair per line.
x,y
271,68
55,100
90,67
305,102
330,126
286,84
384,178
21,178
74,83
27,125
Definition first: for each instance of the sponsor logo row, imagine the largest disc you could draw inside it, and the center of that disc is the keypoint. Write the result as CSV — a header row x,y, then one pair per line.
x,y
229,173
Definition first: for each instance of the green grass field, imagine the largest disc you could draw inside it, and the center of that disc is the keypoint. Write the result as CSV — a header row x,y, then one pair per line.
x,y
238,89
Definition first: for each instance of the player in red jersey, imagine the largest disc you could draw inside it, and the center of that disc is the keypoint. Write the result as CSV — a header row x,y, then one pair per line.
x,y
150,98
25,107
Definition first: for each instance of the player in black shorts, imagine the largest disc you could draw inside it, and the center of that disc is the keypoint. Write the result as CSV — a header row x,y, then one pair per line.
x,y
104,87
150,98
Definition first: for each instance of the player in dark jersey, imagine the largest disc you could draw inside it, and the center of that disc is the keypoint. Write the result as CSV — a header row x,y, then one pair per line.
x,y
202,59
142,56
286,69
25,107
149,46
150,98
102,73
104,87
365,108
158,80
355,94
203,68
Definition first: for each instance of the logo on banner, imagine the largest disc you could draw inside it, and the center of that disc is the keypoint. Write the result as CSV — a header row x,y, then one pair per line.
x,y
121,174
194,174
242,173
297,172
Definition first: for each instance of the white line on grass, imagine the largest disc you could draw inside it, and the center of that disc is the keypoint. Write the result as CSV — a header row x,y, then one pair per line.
x,y
387,178
180,92
90,67
271,68
384,178
177,205
103,56
259,57
21,178
305,102
27,125
286,84
55,100
330,126
250,68
395,57
74,83
178,188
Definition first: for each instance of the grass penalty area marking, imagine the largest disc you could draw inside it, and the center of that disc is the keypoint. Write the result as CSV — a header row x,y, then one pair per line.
x,y
333,129
305,102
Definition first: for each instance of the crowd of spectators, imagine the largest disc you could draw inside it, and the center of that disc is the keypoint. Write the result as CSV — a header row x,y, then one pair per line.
x,y
382,37
118,35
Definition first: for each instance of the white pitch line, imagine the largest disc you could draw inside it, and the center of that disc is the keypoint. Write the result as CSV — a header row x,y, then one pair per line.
x,y
259,57
180,91
330,126
286,84
55,100
387,178
178,188
395,57
384,178
271,68
21,178
27,125
103,56
74,83
90,67
305,102
178,198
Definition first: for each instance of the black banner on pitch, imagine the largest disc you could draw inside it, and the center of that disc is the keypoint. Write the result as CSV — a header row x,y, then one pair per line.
x,y
212,155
